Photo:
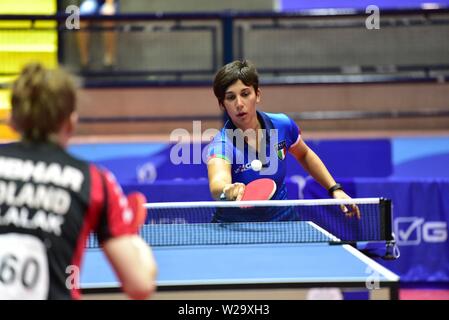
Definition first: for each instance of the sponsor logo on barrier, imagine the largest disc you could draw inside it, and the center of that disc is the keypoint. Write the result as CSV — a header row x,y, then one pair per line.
x,y
146,173
416,230
301,183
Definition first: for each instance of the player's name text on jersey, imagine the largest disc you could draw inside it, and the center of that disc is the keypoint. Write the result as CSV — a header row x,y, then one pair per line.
x,y
32,206
33,196
23,218
41,172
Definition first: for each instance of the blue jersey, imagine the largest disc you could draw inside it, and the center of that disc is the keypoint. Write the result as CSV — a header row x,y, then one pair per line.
x,y
280,132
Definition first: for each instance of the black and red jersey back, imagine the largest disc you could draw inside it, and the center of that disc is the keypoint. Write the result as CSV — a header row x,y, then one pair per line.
x,y
49,203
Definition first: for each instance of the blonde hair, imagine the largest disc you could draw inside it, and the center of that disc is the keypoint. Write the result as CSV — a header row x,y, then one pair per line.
x,y
41,101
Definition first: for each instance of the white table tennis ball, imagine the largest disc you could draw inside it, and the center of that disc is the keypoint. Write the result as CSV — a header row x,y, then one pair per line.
x,y
256,165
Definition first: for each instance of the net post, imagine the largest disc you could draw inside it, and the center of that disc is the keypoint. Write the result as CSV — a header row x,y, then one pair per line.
x,y
392,251
385,216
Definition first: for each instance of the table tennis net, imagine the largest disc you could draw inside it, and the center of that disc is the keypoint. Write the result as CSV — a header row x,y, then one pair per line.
x,y
226,222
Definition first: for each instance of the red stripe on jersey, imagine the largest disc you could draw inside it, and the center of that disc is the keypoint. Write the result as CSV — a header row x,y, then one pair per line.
x,y
119,215
91,218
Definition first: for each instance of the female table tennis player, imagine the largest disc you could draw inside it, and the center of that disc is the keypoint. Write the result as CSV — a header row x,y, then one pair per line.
x,y
250,134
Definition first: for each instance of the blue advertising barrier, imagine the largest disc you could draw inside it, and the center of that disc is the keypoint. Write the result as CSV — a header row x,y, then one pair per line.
x,y
147,162
420,222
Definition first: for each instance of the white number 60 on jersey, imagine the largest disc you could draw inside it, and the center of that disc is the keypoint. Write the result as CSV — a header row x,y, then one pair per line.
x,y
23,267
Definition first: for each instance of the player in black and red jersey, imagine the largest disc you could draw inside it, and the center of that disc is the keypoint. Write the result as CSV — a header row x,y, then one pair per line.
x,y
50,201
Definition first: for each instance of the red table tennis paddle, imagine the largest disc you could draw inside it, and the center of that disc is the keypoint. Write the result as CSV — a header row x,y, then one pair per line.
x,y
260,189
136,201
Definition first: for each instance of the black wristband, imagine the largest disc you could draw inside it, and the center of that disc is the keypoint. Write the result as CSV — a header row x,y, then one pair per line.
x,y
334,188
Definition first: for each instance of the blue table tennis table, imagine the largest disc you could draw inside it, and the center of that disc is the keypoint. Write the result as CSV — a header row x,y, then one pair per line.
x,y
277,269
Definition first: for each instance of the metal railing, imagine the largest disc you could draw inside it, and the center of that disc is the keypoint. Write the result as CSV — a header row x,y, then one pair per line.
x,y
304,47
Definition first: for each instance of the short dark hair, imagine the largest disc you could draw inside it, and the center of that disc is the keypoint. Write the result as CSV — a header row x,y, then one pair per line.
x,y
42,100
227,75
